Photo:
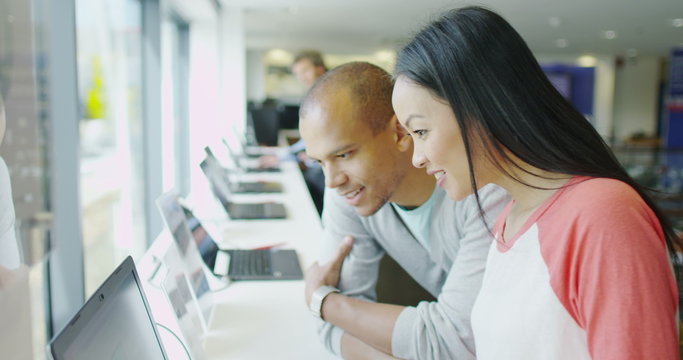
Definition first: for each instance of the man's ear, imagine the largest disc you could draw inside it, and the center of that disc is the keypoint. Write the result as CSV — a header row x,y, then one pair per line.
x,y
403,139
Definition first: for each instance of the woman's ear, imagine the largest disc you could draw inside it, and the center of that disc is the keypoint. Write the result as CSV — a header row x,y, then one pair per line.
x,y
403,139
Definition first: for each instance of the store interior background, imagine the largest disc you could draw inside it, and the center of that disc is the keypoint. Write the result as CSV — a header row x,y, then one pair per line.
x,y
614,57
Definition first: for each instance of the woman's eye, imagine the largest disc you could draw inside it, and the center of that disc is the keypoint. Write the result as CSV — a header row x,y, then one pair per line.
x,y
420,133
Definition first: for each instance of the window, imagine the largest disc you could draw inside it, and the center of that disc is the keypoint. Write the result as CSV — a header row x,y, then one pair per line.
x,y
110,93
174,103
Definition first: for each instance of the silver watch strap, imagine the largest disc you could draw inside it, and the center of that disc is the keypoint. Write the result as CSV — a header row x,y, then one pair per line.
x,y
318,297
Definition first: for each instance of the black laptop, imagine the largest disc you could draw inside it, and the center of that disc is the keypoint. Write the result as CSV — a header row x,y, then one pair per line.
x,y
238,211
266,264
248,142
246,167
244,186
115,323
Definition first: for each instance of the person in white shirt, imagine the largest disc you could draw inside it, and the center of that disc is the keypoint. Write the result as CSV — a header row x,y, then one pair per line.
x,y
9,251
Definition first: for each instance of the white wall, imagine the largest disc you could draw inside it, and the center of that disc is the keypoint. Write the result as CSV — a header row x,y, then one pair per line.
x,y
233,74
635,100
233,67
603,97
205,107
256,75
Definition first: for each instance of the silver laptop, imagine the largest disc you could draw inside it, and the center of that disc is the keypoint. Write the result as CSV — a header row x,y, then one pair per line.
x,y
115,323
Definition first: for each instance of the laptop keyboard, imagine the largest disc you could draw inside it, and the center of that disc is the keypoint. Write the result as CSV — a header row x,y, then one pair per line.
x,y
250,262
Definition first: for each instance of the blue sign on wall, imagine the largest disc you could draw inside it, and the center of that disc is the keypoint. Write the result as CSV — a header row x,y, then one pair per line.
x,y
676,73
673,119
575,83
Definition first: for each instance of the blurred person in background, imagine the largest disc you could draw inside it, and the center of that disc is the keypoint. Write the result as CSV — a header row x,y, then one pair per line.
x,y
308,66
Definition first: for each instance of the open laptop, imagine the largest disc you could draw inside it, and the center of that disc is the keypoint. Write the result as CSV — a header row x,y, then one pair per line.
x,y
115,323
246,167
238,211
264,264
244,186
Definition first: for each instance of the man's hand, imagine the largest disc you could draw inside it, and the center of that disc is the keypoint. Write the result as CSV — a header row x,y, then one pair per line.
x,y
301,160
302,156
318,275
267,161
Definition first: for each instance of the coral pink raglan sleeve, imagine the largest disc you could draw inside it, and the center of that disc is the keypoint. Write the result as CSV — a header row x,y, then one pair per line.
x,y
614,275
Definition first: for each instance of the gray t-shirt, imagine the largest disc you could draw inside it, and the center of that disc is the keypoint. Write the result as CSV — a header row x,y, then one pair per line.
x,y
452,271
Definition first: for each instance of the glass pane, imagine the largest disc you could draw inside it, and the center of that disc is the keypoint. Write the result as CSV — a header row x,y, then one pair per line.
x,y
169,46
110,92
174,102
23,213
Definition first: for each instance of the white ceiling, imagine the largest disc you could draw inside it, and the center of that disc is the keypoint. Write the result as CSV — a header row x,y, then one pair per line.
x,y
364,27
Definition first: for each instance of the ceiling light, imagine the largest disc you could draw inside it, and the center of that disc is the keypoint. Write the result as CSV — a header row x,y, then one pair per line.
x,y
554,21
279,56
587,61
677,22
385,55
561,43
609,34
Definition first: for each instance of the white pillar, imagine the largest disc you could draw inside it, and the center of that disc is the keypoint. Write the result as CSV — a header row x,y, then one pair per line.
x,y
603,97
233,68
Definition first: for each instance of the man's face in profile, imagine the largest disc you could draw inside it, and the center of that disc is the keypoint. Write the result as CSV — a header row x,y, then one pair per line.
x,y
363,167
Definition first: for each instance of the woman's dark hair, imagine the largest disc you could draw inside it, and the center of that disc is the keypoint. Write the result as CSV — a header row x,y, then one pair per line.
x,y
475,60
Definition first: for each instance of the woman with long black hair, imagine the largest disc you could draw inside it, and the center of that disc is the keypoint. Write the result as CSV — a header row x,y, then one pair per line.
x,y
580,266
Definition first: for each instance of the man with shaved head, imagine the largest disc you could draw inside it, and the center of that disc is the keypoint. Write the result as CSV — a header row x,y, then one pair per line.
x,y
378,203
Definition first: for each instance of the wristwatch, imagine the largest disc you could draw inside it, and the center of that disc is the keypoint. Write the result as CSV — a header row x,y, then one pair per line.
x,y
318,297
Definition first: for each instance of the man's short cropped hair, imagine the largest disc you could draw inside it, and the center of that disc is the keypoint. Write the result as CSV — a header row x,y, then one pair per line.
x,y
369,86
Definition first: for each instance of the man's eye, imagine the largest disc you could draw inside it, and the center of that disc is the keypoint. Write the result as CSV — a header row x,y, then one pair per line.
x,y
344,155
420,133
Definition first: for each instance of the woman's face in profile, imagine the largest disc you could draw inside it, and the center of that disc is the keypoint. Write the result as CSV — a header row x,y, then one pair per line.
x,y
438,146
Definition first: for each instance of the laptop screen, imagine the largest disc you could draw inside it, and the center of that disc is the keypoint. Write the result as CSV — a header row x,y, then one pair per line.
x,y
174,217
115,323
207,247
217,179
209,153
